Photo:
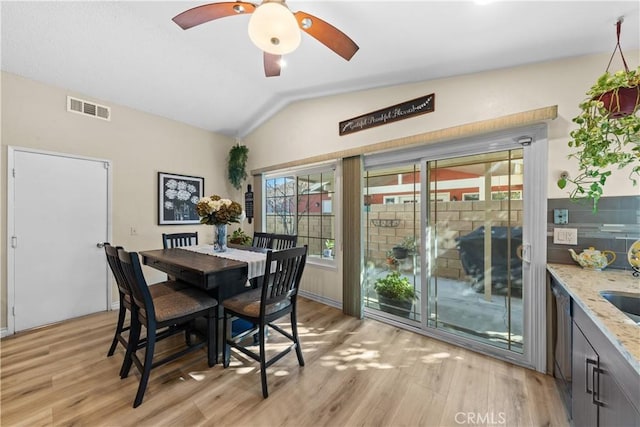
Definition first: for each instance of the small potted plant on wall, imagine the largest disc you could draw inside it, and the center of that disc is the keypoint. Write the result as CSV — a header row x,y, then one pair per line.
x,y
608,132
395,294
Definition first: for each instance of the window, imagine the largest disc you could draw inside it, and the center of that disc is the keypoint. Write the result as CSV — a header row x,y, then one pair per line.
x,y
302,203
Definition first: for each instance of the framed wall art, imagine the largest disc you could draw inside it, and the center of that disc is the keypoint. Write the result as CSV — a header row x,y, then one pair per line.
x,y
177,198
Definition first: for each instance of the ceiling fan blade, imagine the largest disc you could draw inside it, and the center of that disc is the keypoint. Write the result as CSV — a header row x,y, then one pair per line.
x,y
327,34
209,12
271,64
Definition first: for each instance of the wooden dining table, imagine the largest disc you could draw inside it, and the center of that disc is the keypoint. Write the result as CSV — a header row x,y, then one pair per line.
x,y
221,277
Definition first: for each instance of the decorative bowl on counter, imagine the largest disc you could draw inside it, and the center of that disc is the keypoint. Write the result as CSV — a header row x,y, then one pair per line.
x,y
593,259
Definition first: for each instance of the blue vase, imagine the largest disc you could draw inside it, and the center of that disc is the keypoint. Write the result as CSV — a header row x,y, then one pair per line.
x,y
221,237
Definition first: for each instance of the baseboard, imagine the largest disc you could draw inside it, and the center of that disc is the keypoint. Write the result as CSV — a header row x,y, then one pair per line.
x,y
4,332
323,300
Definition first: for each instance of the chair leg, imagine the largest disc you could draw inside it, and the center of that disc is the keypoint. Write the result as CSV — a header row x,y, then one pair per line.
x,y
212,338
132,346
226,348
119,328
294,332
263,363
256,337
187,333
148,362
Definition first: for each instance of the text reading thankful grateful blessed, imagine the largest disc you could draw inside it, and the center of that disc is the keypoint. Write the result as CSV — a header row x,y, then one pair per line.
x,y
415,107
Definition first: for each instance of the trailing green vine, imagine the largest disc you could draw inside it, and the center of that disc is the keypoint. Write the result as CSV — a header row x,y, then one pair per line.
x,y
238,156
603,141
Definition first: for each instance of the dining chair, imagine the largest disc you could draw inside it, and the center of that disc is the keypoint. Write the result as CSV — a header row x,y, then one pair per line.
x,y
176,240
262,240
156,290
160,314
276,298
283,241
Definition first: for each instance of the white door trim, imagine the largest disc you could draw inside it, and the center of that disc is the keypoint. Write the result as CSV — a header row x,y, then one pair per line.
x,y
10,256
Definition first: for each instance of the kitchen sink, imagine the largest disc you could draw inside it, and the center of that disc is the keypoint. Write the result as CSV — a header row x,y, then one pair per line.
x,y
626,302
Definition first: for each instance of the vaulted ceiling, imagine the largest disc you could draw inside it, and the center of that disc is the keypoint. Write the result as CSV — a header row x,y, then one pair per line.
x,y
211,76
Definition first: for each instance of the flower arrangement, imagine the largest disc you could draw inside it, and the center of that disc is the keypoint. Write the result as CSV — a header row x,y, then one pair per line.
x,y
214,210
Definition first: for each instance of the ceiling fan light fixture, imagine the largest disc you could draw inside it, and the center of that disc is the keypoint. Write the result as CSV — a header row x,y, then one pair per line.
x,y
274,29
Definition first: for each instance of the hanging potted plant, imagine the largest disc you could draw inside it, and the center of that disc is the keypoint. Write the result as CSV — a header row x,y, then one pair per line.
x,y
238,156
406,248
608,133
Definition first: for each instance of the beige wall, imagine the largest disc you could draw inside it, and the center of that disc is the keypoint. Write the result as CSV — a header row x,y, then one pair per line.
x,y
310,128
139,145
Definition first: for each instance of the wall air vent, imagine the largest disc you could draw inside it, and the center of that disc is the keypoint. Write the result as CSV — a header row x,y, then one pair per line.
x,y
80,106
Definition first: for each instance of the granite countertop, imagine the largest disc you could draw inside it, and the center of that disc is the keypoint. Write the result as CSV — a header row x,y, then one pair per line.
x,y
584,286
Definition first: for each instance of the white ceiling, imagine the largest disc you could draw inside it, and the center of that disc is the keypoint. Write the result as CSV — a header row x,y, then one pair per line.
x,y
212,77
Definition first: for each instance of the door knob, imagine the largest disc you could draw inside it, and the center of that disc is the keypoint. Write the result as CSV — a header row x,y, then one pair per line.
x,y
100,244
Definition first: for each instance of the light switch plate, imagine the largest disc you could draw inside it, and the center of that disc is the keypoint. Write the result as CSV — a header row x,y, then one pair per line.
x,y
565,236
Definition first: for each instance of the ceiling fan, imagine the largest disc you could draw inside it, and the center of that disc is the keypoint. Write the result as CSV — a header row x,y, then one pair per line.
x,y
273,28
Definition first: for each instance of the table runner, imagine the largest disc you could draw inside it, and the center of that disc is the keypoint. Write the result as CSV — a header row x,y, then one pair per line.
x,y
255,260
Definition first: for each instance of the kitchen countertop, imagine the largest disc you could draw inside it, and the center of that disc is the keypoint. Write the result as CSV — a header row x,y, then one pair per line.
x,y
584,286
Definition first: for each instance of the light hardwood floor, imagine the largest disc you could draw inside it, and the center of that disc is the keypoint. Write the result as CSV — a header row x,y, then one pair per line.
x,y
357,373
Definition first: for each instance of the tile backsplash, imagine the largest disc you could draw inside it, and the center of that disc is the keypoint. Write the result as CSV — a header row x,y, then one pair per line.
x,y
615,226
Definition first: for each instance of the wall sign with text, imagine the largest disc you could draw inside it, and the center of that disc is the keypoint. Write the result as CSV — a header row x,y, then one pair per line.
x,y
415,107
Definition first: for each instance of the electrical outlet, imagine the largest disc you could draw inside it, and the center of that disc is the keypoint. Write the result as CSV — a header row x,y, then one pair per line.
x,y
134,232
560,216
565,236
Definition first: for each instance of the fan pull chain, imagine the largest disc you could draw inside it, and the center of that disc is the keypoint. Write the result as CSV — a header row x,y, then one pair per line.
x,y
624,61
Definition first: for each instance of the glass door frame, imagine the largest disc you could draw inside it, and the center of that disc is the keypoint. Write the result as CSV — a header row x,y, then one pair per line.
x,y
533,139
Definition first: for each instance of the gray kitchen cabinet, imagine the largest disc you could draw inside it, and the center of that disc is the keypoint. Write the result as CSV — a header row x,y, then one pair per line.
x,y
584,360
605,387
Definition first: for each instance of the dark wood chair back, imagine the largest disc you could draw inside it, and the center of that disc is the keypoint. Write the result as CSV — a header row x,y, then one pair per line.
x,y
176,240
124,297
262,240
282,279
116,269
157,290
163,316
140,294
283,241
277,298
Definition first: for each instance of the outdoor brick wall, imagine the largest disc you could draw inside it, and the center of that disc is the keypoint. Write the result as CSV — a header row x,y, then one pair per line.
x,y
453,219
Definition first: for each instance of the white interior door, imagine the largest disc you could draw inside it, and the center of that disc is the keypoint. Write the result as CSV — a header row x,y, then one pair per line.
x,y
60,215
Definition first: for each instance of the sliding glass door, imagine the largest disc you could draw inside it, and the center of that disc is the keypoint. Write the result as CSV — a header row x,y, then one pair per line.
x,y
392,240
450,227
474,240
